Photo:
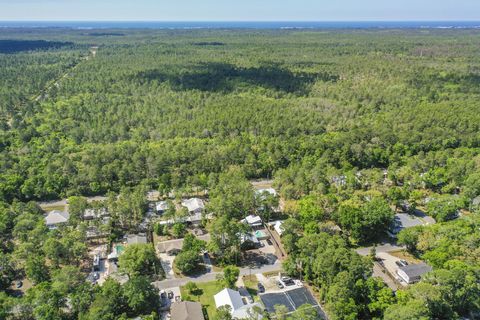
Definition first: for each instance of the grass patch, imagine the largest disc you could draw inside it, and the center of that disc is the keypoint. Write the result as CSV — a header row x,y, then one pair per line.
x,y
208,290
402,254
217,268
48,208
271,274
251,283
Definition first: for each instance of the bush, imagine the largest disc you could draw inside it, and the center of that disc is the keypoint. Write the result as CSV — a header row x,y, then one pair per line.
x,y
187,261
158,229
178,230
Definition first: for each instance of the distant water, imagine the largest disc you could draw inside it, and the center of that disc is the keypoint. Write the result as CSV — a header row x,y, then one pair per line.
x,y
241,25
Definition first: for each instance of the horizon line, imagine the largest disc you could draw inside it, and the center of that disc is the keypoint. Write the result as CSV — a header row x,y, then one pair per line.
x,y
257,21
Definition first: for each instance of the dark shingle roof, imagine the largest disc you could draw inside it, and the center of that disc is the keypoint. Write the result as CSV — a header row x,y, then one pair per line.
x,y
416,270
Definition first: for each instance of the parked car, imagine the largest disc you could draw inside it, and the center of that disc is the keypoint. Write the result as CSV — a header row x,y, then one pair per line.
x,y
280,285
401,263
163,294
18,284
173,252
170,294
96,276
270,243
260,287
287,281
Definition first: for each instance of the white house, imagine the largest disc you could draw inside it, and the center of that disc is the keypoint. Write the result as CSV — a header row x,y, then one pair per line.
x,y
161,206
413,272
56,218
253,221
194,205
267,190
278,226
239,305
91,214
249,237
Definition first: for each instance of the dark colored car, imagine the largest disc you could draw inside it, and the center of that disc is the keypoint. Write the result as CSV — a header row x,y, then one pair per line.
x,y
19,284
170,295
163,294
173,252
287,281
260,287
270,243
401,263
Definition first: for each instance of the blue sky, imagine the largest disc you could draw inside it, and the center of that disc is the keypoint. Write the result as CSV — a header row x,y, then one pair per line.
x,y
240,10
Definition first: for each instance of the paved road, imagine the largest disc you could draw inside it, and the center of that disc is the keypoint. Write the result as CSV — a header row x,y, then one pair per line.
x,y
379,271
383,247
211,276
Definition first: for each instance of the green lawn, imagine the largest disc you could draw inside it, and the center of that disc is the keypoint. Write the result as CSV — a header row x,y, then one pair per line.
x,y
251,285
205,295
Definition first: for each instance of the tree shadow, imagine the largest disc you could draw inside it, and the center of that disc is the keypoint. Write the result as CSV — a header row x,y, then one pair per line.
x,y
223,77
15,46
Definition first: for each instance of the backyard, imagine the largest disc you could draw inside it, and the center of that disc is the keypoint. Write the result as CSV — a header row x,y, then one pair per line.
x,y
204,295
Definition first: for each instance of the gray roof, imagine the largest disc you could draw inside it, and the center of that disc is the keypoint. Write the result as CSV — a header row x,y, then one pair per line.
x,y
162,206
186,310
56,217
193,204
416,270
476,201
95,213
136,238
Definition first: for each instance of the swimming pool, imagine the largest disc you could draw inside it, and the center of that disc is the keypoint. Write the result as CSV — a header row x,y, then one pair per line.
x,y
260,234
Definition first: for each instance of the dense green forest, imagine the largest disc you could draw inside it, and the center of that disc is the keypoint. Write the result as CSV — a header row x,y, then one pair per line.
x,y
349,124
167,107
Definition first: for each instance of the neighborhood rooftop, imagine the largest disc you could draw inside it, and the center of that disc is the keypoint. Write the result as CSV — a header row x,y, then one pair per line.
x,y
186,310
193,204
161,206
136,239
415,270
56,217
240,307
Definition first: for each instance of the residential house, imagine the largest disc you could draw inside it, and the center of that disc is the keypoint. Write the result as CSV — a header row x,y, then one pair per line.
x,y
253,221
93,232
194,205
475,205
413,272
339,181
153,195
91,214
249,241
161,207
239,305
186,310
56,218
136,238
271,191
278,227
